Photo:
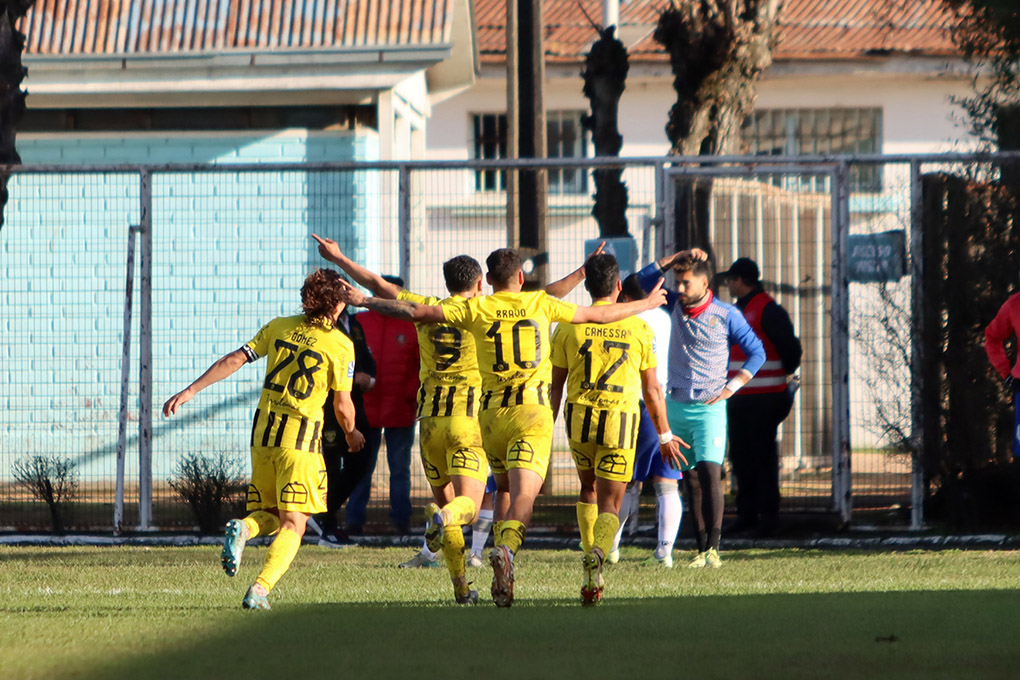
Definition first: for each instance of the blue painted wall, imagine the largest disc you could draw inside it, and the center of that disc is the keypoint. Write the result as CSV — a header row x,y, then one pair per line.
x,y
230,251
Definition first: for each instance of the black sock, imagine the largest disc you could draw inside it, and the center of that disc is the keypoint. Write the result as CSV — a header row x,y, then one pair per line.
x,y
714,535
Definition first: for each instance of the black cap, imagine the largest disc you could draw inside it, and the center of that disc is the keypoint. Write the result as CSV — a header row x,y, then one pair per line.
x,y
744,268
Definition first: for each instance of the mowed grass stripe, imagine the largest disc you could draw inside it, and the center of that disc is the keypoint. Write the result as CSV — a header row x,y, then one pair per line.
x,y
170,613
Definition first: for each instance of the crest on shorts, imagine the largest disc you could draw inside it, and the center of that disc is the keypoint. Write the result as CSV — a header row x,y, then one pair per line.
x,y
431,471
294,493
613,464
254,497
464,459
521,452
581,460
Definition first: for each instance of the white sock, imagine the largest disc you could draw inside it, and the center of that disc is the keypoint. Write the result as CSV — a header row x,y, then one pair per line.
x,y
670,511
480,531
625,511
634,491
428,554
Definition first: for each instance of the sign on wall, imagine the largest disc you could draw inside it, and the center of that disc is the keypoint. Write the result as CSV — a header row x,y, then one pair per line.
x,y
878,257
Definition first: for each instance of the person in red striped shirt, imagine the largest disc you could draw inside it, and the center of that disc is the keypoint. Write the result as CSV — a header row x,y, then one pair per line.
x,y
755,412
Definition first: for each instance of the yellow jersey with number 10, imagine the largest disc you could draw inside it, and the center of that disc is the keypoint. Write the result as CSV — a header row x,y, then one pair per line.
x,y
605,361
511,332
450,383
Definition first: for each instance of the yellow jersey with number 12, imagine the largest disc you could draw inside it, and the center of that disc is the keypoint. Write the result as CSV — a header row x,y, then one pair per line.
x,y
511,332
450,383
304,362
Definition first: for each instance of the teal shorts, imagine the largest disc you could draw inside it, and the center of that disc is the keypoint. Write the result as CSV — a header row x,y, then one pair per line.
x,y
703,426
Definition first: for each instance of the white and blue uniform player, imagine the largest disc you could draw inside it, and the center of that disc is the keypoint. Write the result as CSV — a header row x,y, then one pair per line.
x,y
703,330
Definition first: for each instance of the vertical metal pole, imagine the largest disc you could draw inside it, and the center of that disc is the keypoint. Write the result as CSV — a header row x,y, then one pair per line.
x,y
404,222
918,483
841,344
669,244
125,378
658,246
145,359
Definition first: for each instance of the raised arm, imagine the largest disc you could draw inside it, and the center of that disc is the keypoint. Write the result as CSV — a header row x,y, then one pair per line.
x,y
380,287
397,309
224,367
655,402
621,310
666,262
569,282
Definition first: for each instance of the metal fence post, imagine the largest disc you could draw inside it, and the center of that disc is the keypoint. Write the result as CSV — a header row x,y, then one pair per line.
x,y
404,222
841,480
145,358
125,383
918,482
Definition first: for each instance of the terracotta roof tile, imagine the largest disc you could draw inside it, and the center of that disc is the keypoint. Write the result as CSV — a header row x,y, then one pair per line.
x,y
175,26
810,29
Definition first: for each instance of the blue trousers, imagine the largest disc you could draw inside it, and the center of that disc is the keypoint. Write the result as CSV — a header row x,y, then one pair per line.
x,y
1016,425
398,455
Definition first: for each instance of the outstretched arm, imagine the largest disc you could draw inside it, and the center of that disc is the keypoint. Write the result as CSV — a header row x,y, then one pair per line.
x,y
397,309
380,287
569,282
667,261
223,368
621,310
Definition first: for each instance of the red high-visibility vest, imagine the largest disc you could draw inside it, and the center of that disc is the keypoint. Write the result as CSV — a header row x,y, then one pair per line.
x,y
770,377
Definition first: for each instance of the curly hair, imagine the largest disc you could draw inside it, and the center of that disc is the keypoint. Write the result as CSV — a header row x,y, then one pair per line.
x,y
320,294
461,273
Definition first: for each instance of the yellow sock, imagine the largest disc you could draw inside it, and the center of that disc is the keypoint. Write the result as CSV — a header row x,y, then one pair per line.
x,y
586,515
513,534
605,530
497,533
453,550
460,511
262,523
278,558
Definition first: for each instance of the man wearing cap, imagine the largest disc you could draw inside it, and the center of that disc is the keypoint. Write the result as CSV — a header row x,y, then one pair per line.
x,y
754,414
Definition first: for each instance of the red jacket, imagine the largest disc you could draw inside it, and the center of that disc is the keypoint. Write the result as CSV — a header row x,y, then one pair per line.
x,y
1005,324
394,344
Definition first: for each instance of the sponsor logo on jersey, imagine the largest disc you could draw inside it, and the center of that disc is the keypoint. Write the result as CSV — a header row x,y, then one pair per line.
x,y
350,369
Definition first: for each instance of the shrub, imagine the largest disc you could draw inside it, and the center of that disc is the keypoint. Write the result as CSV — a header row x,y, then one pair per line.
x,y
209,485
51,479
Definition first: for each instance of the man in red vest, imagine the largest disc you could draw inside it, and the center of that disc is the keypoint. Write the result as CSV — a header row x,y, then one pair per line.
x,y
1005,325
755,412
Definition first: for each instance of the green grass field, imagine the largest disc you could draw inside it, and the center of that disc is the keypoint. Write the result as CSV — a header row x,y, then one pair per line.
x,y
171,613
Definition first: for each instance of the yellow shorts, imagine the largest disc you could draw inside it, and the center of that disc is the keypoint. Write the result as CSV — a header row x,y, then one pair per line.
x,y
452,445
616,465
287,479
517,437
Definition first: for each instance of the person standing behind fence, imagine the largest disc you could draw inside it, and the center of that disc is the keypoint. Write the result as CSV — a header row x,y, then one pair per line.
x,y
306,358
1006,324
699,351
754,414
392,409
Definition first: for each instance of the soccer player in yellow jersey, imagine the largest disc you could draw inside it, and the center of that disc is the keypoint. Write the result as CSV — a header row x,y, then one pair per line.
x,y
511,332
450,441
307,357
607,369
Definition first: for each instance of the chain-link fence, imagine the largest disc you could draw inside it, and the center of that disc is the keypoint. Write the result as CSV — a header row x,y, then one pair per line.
x,y
216,251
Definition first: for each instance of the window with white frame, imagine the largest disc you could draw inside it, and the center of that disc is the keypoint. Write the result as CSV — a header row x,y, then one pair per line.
x,y
565,139
795,132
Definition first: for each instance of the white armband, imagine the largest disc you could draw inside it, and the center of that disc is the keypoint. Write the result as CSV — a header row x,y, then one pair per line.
x,y
665,438
734,384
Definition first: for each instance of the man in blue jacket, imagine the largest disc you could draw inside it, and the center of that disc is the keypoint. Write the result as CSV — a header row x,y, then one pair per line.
x,y
703,331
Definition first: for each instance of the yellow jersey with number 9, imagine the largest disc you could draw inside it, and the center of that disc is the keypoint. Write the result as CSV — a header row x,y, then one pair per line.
x,y
605,361
511,332
304,362
450,383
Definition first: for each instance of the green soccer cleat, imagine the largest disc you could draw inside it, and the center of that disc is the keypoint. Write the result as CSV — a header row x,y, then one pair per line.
x,y
698,562
660,562
502,576
254,600
234,538
712,559
434,526
419,561
591,589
